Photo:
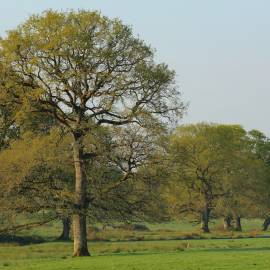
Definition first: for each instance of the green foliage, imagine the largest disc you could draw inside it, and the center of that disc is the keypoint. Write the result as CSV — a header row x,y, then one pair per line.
x,y
214,167
36,176
260,146
81,64
9,129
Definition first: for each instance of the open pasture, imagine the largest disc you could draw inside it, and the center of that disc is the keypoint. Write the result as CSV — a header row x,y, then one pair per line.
x,y
121,250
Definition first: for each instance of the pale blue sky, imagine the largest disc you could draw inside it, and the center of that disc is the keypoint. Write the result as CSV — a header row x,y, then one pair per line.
x,y
220,49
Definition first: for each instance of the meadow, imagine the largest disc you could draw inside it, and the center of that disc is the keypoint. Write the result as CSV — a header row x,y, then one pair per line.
x,y
165,246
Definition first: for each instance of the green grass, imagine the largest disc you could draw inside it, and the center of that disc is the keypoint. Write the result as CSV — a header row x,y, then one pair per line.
x,y
157,249
163,255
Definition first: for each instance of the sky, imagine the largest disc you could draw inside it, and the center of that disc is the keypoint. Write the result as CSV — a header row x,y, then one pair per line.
x,y
220,49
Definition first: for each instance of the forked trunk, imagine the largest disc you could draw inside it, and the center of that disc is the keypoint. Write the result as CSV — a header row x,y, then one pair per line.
x,y
227,224
79,217
238,225
266,223
65,236
205,220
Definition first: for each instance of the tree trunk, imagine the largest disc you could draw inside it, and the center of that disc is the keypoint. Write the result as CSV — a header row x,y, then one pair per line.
x,y
266,223
238,226
65,236
205,220
227,224
79,217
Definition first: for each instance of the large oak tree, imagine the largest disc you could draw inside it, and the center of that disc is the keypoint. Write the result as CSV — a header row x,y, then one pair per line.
x,y
87,70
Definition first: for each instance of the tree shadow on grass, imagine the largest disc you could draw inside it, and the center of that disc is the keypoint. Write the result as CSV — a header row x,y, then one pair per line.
x,y
21,240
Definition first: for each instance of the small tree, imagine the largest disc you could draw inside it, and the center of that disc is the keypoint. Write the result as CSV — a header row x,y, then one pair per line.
x,y
204,158
87,70
122,189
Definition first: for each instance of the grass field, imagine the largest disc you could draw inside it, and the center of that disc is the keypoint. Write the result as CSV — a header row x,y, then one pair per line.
x,y
146,254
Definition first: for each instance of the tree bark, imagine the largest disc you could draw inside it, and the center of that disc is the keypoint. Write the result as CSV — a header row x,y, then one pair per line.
x,y
238,225
227,224
65,236
266,223
205,220
79,217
